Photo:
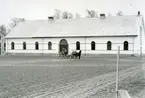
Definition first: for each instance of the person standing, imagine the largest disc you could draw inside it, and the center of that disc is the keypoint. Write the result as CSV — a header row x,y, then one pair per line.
x,y
80,54
65,51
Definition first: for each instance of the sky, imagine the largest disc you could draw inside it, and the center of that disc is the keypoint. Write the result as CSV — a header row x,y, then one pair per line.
x,y
41,9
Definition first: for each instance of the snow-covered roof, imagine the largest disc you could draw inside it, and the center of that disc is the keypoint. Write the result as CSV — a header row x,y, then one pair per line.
x,y
109,26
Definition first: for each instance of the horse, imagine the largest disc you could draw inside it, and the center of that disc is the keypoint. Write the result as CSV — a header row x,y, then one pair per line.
x,y
76,54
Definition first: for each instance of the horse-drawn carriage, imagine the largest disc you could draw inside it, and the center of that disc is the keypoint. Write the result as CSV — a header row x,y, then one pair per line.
x,y
73,55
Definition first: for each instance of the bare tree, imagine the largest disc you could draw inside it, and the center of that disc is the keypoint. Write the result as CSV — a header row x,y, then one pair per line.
x,y
88,13
70,15
91,13
2,40
62,14
77,15
96,14
119,13
16,21
65,15
57,14
3,29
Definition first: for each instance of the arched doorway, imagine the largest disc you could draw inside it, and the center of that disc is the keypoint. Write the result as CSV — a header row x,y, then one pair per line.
x,y
63,44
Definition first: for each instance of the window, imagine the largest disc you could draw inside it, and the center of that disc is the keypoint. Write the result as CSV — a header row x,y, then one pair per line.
x,y
109,45
24,45
4,46
36,46
49,46
125,45
93,45
77,45
12,45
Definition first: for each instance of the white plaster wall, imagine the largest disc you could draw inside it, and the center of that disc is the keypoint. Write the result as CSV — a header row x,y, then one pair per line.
x,y
139,41
101,45
143,39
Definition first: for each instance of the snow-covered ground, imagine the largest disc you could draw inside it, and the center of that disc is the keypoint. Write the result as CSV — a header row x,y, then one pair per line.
x,y
53,77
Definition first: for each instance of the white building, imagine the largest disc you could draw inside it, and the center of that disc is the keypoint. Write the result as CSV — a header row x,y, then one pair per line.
x,y
100,35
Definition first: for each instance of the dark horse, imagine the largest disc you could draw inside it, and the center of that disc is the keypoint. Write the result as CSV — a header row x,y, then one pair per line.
x,y
76,54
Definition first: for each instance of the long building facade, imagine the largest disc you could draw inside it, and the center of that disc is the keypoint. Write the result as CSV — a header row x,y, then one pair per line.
x,y
91,35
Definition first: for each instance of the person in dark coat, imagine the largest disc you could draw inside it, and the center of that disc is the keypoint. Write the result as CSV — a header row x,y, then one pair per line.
x,y
79,54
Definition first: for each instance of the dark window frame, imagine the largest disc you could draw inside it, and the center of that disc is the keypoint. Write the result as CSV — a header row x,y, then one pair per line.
x,y
109,45
93,45
12,46
4,46
77,45
49,45
24,46
36,46
125,45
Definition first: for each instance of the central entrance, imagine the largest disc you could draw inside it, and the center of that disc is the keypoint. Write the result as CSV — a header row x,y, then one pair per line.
x,y
63,44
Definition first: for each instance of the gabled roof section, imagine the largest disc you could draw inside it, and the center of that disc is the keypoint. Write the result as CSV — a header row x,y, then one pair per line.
x,y
110,26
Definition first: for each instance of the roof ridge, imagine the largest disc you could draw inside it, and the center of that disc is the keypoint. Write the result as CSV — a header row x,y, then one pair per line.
x,y
82,18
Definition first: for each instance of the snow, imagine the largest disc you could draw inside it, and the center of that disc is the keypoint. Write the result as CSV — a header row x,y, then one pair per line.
x,y
110,26
41,76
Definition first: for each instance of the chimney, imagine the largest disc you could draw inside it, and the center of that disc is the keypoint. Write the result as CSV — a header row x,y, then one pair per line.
x,y
102,16
138,13
50,18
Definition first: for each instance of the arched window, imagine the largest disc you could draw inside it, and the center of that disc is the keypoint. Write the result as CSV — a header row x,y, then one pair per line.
x,y
24,45
4,46
93,45
77,45
125,45
109,45
49,46
36,46
12,45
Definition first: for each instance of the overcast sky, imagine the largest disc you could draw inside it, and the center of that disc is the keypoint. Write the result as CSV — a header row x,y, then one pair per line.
x,y
41,9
